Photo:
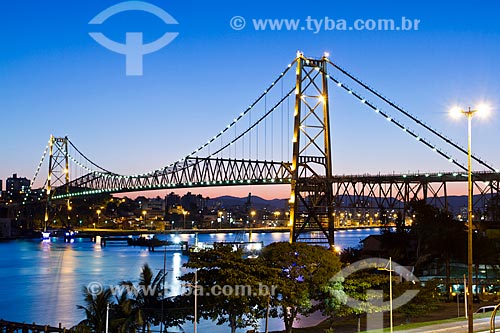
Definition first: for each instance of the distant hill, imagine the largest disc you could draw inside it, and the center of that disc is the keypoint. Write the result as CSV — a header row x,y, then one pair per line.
x,y
455,202
257,202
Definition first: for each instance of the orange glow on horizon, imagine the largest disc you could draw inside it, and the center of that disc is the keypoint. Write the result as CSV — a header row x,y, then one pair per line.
x,y
267,192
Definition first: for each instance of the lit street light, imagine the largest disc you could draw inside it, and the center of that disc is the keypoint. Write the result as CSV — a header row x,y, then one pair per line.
x,y
277,216
185,212
98,215
221,216
482,110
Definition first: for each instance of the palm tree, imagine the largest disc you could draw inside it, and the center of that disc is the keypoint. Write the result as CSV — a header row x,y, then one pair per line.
x,y
95,308
147,296
127,317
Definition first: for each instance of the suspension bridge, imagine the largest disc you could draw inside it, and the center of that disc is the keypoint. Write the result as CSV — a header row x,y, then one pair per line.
x,y
282,137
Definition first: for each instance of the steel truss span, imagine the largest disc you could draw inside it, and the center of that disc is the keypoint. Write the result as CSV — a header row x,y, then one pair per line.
x,y
191,172
397,191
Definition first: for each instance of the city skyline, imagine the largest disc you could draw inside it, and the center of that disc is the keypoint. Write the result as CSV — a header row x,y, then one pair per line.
x,y
58,80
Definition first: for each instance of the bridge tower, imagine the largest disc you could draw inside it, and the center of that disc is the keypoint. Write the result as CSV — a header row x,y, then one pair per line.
x,y
58,174
311,199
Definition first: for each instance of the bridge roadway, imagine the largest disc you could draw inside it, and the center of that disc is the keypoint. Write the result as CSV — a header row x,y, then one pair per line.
x,y
213,173
428,177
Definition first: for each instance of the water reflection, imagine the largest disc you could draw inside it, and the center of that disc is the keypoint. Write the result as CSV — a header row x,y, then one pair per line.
x,y
45,279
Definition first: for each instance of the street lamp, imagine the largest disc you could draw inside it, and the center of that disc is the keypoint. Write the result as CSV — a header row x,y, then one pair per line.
x,y
98,215
481,110
144,217
184,212
388,267
220,214
107,317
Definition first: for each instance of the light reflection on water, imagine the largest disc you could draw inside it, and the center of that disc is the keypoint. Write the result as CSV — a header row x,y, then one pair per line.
x,y
42,281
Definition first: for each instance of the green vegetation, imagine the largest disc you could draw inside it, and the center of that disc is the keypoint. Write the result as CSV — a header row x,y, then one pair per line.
x,y
303,272
285,281
132,308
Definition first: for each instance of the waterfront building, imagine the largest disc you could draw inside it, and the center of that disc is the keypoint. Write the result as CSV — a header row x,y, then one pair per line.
x,y
16,187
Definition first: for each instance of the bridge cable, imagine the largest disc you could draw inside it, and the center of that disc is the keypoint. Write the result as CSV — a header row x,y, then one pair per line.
x,y
206,145
87,159
32,183
254,124
264,116
247,110
409,115
397,123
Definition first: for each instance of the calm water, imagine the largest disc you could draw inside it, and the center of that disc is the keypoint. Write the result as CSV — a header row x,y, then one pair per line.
x,y
42,281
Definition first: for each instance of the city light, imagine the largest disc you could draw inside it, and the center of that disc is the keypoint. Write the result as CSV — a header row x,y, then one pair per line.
x,y
482,110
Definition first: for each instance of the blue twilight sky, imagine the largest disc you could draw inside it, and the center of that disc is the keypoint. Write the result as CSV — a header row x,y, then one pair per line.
x,y
55,79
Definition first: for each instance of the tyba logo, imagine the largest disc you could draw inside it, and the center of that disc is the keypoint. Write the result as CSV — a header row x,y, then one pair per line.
x,y
134,48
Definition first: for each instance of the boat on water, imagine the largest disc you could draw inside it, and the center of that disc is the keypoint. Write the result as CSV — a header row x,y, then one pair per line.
x,y
67,233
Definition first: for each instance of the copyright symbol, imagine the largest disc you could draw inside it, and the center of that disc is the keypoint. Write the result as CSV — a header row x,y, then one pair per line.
x,y
237,23
95,288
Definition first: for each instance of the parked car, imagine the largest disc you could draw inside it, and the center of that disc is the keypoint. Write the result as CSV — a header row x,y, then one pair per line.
x,y
484,309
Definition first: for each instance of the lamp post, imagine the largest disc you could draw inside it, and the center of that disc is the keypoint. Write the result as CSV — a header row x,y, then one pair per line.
x,y
481,109
184,212
386,268
98,215
144,217
252,213
107,317
220,214
195,300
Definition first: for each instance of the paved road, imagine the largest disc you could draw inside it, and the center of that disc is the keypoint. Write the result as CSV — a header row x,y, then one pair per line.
x,y
480,325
